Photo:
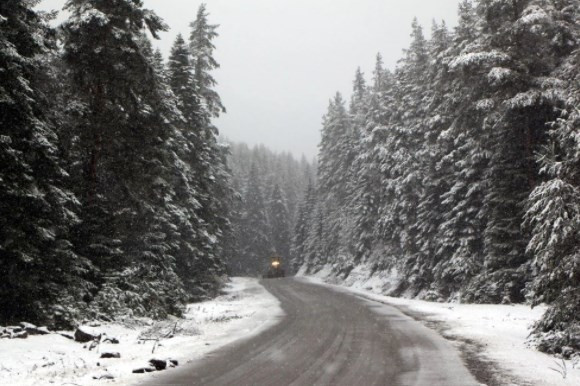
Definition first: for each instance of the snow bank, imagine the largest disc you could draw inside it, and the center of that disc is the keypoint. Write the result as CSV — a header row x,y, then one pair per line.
x,y
499,331
244,311
361,277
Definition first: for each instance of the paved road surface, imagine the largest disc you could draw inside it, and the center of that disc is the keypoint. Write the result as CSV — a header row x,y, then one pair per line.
x,y
329,337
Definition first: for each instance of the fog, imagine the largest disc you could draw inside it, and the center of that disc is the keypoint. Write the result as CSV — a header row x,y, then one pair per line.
x,y
281,60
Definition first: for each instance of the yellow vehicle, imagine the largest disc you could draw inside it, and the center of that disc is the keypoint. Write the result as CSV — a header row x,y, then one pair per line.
x,y
275,269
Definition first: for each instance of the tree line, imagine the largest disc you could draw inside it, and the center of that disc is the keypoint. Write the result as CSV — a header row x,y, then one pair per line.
x,y
114,190
457,173
269,188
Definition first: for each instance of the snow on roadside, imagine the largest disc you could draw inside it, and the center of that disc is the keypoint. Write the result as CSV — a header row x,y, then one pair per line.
x,y
499,330
244,311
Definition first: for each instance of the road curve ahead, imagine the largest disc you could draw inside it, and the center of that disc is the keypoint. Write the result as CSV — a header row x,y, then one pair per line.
x,y
330,337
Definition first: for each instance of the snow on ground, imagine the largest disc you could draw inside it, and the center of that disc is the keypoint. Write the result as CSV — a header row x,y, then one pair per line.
x,y
244,311
499,331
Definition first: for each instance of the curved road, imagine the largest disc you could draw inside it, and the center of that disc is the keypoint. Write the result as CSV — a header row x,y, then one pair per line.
x,y
330,337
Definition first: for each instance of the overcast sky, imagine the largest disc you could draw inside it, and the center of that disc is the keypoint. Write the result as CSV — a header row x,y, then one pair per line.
x,y
281,60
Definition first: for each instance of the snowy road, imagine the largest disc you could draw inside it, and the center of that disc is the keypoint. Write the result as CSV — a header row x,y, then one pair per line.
x,y
329,337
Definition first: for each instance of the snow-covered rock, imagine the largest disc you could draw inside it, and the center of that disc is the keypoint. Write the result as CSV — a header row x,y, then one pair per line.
x,y
107,355
85,334
245,310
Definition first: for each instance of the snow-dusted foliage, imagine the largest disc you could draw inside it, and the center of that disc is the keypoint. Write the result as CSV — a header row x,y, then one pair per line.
x,y
205,178
41,276
457,170
553,218
114,192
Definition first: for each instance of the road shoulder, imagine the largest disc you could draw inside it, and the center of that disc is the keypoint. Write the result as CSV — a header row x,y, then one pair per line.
x,y
244,310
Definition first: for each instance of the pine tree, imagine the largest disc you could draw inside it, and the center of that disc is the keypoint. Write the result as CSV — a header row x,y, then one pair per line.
x,y
188,140
553,218
255,229
519,106
373,165
335,158
211,167
201,45
42,278
123,143
279,223
462,163
407,133
302,229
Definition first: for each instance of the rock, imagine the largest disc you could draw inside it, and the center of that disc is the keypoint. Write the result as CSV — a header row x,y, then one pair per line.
x,y
103,376
159,364
26,325
141,370
85,334
111,340
33,330
4,336
20,335
174,362
106,355
567,352
10,329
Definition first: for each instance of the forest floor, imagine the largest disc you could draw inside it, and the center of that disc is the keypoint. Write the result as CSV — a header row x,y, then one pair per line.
x,y
244,310
492,338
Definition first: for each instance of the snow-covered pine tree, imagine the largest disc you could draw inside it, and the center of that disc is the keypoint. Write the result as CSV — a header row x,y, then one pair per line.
x,y
212,170
302,229
553,214
42,279
553,210
123,145
437,117
279,223
407,136
462,163
202,47
335,158
520,103
188,141
257,246
364,176
315,251
374,165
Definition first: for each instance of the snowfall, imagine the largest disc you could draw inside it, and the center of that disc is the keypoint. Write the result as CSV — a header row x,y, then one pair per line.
x,y
245,310
493,334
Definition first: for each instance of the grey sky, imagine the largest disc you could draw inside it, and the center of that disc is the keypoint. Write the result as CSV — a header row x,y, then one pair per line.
x,y
281,60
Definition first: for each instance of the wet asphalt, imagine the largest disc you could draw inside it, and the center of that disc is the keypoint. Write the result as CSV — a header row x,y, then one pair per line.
x,y
329,337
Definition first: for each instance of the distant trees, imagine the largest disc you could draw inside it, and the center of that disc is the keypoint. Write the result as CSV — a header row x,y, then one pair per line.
x,y
255,236
115,193
456,173
279,223
270,187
